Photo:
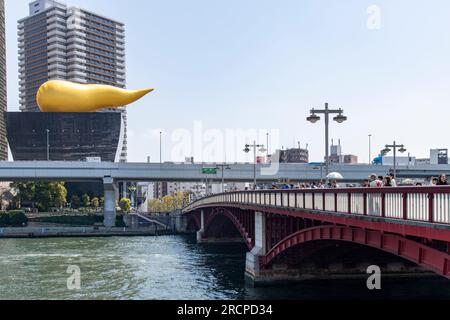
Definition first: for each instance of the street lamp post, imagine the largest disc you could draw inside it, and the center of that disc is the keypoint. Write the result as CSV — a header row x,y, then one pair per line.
x,y
48,144
340,118
223,167
247,150
160,147
132,190
370,148
394,147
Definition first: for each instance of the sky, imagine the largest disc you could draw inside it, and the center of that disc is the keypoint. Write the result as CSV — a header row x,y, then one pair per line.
x,y
228,72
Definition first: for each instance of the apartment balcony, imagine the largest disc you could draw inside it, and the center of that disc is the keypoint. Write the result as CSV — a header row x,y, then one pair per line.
x,y
75,33
76,60
75,46
52,59
56,46
77,79
76,74
56,33
57,74
54,19
120,46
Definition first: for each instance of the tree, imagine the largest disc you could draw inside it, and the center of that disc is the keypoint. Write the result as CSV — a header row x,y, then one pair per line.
x,y
75,201
125,205
60,196
95,202
85,200
42,195
154,205
168,203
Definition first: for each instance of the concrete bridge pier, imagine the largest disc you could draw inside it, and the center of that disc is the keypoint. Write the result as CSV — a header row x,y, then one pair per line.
x,y
110,189
252,267
201,232
181,223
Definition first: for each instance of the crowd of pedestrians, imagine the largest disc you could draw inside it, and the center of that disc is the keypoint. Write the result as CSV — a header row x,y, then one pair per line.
x,y
373,181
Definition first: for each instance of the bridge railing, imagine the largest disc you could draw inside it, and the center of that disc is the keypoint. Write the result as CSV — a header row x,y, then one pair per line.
x,y
428,204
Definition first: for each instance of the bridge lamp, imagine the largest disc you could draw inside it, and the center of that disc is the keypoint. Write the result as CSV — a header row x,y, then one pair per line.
x,y
402,150
340,118
313,118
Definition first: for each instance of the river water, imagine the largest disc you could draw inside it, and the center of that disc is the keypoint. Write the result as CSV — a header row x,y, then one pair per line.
x,y
167,267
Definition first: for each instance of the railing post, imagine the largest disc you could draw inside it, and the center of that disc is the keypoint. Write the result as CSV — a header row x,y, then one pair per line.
x,y
304,200
365,203
383,205
405,206
349,202
313,200
431,207
335,202
323,201
296,200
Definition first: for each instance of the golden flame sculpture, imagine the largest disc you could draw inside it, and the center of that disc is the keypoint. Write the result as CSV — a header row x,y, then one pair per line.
x,y
66,96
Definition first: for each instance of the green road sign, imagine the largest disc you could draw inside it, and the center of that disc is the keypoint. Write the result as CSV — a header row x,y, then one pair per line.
x,y
209,170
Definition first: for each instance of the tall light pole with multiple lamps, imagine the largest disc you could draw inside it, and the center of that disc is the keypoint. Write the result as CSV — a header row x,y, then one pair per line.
x,y
223,167
339,118
247,149
132,190
394,147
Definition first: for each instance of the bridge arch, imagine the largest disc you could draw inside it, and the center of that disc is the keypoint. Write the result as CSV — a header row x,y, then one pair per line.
x,y
193,222
235,221
429,258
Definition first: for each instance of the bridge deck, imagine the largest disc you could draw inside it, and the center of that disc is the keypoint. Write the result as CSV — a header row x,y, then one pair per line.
x,y
409,208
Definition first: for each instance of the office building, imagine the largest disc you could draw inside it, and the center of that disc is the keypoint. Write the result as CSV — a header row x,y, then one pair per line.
x,y
69,43
439,156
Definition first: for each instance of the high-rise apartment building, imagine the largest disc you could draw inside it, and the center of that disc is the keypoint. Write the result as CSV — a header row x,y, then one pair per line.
x,y
69,43
3,106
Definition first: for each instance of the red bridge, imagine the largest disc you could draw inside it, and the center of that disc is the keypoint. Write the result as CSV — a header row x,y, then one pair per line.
x,y
323,233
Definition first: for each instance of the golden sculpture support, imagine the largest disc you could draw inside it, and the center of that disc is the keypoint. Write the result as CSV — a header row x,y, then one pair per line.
x,y
65,96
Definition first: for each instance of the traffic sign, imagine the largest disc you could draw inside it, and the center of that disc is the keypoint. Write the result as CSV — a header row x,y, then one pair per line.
x,y
209,170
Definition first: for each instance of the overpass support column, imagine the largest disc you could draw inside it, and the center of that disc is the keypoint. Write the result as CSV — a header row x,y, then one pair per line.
x,y
109,209
202,226
252,268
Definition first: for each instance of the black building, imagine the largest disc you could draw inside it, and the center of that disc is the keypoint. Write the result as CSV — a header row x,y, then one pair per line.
x,y
65,136
3,142
294,156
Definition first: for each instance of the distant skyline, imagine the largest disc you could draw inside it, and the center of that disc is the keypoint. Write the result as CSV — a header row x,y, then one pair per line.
x,y
234,66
